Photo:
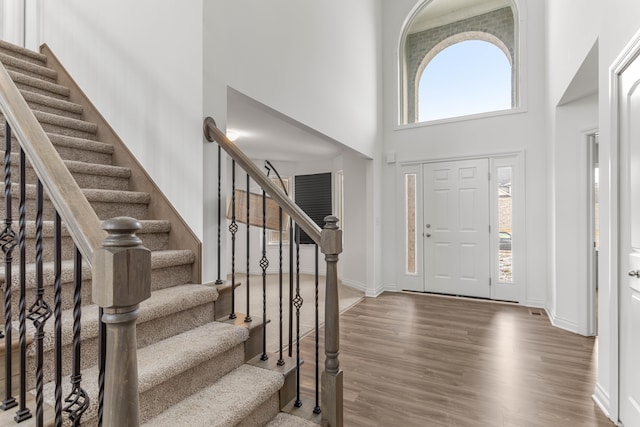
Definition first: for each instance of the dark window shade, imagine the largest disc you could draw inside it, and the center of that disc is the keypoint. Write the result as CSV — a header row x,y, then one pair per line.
x,y
313,195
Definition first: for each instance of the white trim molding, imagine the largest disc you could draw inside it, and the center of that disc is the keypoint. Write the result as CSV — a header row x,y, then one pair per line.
x,y
626,57
601,398
373,293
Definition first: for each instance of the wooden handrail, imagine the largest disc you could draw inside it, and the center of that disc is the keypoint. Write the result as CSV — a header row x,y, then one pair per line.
x,y
81,221
213,133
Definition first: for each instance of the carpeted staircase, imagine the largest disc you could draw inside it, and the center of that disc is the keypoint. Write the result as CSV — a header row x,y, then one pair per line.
x,y
192,369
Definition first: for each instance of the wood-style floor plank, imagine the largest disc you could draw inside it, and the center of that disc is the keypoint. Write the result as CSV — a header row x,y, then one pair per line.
x,y
422,360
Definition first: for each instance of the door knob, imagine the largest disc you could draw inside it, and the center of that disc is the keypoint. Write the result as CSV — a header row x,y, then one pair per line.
x,y
635,273
428,235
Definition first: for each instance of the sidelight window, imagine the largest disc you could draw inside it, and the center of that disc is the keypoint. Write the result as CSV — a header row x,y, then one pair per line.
x,y
411,224
505,223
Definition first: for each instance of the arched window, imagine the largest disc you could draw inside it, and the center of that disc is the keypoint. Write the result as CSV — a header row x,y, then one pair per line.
x,y
458,59
469,77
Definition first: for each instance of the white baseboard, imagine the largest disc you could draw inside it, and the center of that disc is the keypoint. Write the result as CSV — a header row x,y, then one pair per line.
x,y
354,285
374,292
561,323
601,397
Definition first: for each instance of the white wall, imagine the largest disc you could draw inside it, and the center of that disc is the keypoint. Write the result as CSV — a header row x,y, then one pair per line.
x,y
569,41
141,64
506,133
572,28
353,260
215,105
567,304
316,62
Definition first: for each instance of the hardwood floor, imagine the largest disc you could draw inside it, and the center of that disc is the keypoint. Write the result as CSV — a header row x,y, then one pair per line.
x,y
421,360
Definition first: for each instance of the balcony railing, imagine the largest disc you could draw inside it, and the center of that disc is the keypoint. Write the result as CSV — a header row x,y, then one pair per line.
x,y
328,386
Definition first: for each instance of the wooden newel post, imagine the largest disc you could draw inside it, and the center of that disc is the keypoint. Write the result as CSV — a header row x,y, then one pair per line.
x,y
121,281
331,246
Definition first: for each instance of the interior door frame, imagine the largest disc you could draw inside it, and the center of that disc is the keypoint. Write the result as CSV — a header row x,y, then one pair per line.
x,y
413,281
592,262
626,57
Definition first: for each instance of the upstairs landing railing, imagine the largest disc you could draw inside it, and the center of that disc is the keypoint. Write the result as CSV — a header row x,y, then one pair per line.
x,y
328,240
114,257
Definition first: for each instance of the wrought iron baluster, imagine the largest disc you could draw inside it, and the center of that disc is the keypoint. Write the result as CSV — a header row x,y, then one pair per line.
x,y
8,242
57,314
23,412
39,312
102,359
280,359
78,400
298,304
270,167
317,409
219,280
290,347
264,264
248,316
233,229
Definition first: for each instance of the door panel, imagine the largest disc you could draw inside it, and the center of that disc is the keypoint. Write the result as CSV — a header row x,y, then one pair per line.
x,y
456,228
629,132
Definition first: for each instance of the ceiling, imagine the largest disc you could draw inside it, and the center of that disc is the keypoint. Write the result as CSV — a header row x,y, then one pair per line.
x,y
441,12
264,133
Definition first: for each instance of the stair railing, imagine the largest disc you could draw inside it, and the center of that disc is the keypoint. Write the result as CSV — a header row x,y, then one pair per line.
x,y
328,239
118,304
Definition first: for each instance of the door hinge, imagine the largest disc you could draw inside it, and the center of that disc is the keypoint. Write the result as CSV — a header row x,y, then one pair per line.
x,y
489,281
489,176
489,228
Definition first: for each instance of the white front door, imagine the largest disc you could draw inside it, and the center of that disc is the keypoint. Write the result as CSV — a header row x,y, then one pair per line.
x,y
629,133
456,228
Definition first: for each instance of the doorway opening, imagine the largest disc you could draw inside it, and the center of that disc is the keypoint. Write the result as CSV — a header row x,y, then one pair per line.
x,y
594,234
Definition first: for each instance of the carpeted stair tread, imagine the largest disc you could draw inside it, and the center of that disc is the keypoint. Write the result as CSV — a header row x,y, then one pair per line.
x,y
65,122
80,143
159,260
162,303
226,402
116,196
287,420
48,101
28,67
56,90
92,194
63,125
36,57
70,142
164,360
75,166
148,226
177,354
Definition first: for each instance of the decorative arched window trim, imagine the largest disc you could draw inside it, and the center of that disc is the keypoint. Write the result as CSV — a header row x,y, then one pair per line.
x,y
519,66
448,42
